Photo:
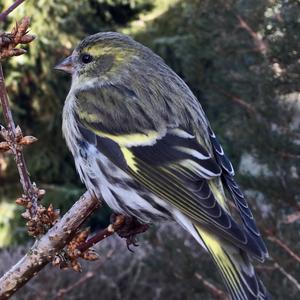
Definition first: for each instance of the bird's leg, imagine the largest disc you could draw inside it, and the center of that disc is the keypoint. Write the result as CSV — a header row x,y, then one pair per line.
x,y
130,229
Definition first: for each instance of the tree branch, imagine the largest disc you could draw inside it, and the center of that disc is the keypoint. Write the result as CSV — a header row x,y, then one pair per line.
x,y
111,229
291,278
45,248
62,292
49,245
284,246
259,42
293,217
4,14
11,137
218,293
242,103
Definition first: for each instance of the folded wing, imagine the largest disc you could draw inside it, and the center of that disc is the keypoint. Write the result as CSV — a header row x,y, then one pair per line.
x,y
174,164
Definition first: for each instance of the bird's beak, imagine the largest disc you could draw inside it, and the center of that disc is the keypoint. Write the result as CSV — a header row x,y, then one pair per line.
x,y
66,65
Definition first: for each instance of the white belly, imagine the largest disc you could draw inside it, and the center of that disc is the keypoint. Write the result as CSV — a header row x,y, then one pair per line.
x,y
106,180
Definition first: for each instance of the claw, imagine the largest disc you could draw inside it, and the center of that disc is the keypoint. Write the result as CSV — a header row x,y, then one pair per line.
x,y
131,228
128,247
131,240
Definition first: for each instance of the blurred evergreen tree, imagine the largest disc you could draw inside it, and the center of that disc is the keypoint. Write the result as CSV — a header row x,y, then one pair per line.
x,y
240,58
37,91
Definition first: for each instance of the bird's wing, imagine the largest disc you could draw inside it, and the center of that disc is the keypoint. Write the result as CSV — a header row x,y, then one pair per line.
x,y
170,162
235,192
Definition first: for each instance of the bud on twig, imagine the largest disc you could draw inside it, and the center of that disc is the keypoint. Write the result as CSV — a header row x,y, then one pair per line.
x,y
22,202
26,215
27,140
21,29
41,193
4,146
26,39
90,255
18,35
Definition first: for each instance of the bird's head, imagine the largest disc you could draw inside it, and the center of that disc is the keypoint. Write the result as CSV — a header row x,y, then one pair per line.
x,y
103,56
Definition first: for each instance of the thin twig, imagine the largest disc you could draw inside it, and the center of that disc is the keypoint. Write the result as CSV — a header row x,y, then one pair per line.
x,y
28,188
110,230
291,218
259,42
80,247
242,103
4,14
12,134
39,219
218,293
291,278
71,288
284,246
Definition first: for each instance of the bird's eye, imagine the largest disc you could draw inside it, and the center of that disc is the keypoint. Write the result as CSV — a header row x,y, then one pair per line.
x,y
86,58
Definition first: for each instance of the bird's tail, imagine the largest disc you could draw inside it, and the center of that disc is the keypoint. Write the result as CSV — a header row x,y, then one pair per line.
x,y
236,270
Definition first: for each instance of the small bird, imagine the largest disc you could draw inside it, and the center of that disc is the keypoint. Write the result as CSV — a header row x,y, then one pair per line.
x,y
142,142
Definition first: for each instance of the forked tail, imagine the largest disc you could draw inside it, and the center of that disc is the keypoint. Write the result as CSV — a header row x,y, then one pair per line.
x,y
235,268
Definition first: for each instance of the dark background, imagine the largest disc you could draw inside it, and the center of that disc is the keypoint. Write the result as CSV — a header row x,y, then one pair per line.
x,y
241,59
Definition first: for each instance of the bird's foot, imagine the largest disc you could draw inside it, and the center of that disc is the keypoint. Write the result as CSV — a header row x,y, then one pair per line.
x,y
130,229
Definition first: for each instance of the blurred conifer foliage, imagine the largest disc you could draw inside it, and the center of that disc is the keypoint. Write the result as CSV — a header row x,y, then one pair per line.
x,y
241,58
37,91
